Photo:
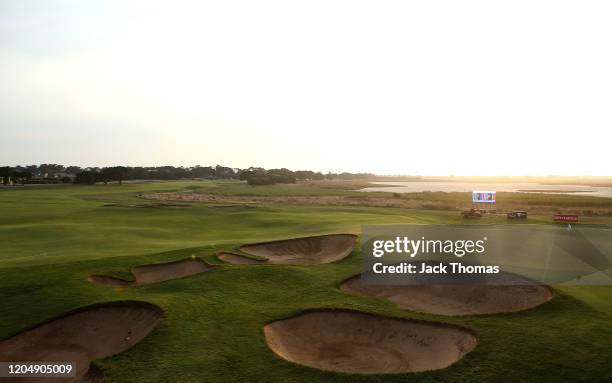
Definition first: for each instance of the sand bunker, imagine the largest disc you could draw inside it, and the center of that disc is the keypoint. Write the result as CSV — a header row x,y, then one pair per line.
x,y
155,273
459,299
164,271
238,259
360,343
90,333
304,251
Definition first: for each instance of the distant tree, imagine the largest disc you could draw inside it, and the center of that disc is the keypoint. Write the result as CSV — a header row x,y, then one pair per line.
x,y
73,169
260,176
49,170
253,175
33,169
5,174
87,177
181,173
281,176
170,173
21,176
251,172
222,172
318,176
304,174
162,174
203,171
139,173
352,176
308,175
115,173
256,180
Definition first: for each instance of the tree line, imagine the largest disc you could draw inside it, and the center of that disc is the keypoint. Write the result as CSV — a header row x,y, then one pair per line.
x,y
54,173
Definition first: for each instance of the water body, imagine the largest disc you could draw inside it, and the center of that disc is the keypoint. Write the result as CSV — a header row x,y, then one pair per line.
x,y
434,186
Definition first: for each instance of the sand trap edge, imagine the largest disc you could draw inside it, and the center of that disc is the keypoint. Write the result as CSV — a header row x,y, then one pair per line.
x,y
225,257
99,279
119,303
177,261
273,258
351,311
443,325
340,284
295,238
93,373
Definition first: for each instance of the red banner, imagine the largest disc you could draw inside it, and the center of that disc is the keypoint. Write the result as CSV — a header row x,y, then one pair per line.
x,y
566,218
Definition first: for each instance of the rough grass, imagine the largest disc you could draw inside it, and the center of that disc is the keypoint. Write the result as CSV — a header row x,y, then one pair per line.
x,y
344,193
54,237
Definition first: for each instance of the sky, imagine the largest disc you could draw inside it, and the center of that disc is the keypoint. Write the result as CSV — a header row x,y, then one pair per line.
x,y
390,87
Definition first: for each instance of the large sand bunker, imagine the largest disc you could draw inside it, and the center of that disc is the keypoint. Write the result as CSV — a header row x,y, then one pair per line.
x,y
360,343
305,250
518,293
90,333
155,273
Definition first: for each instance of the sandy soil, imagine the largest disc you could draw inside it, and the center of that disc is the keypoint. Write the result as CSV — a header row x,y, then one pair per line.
x,y
304,250
91,333
155,273
238,259
458,299
360,343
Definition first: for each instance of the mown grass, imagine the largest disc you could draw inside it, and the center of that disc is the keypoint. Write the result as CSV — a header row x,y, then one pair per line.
x,y
54,237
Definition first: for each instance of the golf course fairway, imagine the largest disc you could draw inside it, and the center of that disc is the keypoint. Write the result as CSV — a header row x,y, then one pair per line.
x,y
55,237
